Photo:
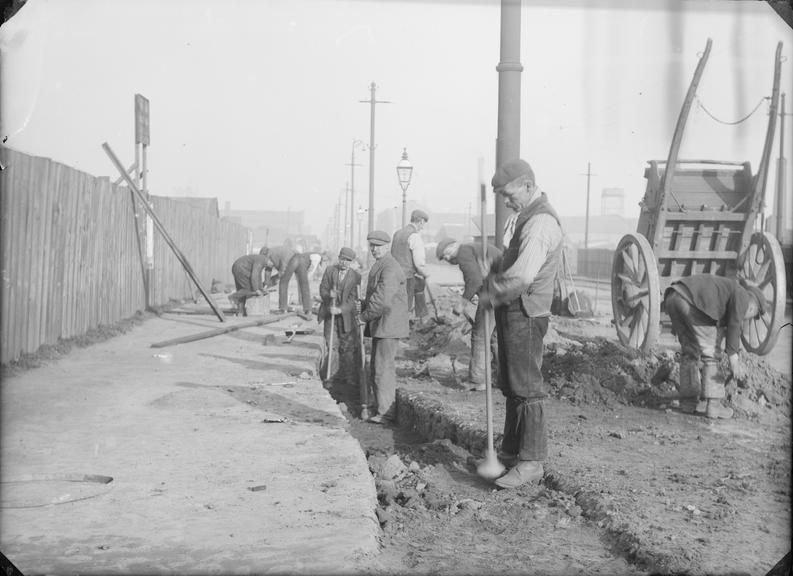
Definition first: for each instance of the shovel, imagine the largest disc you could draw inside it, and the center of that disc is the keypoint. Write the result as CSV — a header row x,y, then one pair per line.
x,y
490,468
364,380
438,319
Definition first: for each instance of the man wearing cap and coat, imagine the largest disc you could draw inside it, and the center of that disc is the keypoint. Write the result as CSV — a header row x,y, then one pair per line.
x,y
467,256
408,249
247,271
521,291
699,306
385,313
339,291
279,258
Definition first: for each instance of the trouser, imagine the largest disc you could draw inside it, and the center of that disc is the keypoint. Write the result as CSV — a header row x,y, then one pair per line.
x,y
383,371
297,265
697,333
345,346
476,368
242,279
419,297
520,379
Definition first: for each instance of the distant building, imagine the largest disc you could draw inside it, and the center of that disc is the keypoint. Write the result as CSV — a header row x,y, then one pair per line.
x,y
612,202
273,227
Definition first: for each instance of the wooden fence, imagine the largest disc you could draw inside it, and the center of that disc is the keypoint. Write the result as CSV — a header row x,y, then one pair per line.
x,y
70,257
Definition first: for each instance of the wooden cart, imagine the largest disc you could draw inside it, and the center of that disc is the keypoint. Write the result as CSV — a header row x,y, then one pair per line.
x,y
699,217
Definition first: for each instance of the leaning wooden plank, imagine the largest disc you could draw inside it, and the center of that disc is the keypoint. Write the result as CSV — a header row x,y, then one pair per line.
x,y
220,331
178,253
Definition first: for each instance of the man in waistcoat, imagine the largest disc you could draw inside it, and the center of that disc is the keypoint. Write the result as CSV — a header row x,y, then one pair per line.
x,y
467,256
339,291
279,257
385,314
407,248
698,306
521,291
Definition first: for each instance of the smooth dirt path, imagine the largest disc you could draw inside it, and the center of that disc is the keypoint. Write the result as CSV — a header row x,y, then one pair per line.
x,y
226,454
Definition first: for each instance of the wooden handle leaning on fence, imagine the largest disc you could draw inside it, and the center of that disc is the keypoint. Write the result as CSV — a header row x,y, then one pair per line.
x,y
161,228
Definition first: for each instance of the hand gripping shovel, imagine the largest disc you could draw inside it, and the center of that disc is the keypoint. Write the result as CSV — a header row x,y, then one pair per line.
x,y
364,381
330,340
490,468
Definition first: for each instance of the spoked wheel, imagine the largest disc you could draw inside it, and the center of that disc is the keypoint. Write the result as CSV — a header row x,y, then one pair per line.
x,y
763,266
635,293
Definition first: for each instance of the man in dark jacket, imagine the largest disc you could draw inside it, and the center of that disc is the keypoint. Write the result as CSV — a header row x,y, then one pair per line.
x,y
699,306
339,291
385,312
468,257
247,271
521,291
407,248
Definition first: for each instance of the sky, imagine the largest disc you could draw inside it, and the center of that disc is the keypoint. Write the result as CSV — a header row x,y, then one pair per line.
x,y
258,103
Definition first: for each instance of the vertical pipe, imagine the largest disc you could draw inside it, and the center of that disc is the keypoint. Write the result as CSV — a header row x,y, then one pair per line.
x,y
509,75
373,88
352,195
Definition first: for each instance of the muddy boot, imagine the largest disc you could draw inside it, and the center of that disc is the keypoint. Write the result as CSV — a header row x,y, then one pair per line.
x,y
713,390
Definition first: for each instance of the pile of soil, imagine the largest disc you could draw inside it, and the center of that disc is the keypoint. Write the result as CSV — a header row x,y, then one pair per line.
x,y
600,371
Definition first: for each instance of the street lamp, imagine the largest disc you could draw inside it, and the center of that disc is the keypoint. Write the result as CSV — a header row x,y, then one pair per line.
x,y
404,172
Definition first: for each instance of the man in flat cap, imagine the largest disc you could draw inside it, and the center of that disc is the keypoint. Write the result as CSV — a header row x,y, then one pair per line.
x,y
279,257
467,256
288,263
699,306
521,290
408,249
339,291
247,271
385,313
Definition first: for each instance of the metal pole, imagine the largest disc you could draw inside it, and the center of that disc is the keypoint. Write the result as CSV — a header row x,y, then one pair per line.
x,y
404,207
509,74
346,214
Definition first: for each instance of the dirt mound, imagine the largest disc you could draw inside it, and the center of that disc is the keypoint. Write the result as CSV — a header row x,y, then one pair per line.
x,y
597,370
601,371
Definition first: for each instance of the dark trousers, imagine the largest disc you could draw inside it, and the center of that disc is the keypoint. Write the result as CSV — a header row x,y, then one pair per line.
x,y
345,359
417,303
384,374
520,379
297,265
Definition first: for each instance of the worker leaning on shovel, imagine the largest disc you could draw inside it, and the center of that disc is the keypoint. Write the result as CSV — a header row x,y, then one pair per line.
x,y
338,291
468,257
700,307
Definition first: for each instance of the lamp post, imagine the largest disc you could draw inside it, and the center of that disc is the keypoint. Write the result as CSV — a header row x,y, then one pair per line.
x,y
404,172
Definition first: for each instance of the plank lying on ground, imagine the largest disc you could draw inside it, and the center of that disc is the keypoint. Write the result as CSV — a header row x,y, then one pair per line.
x,y
219,331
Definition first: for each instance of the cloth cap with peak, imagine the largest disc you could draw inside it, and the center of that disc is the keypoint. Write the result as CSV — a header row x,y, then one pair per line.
x,y
416,214
442,246
378,237
346,254
509,171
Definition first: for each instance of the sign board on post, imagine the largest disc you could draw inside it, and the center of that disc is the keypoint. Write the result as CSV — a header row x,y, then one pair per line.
x,y
141,120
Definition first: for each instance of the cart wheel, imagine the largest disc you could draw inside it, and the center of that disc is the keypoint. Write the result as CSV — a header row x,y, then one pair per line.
x,y
635,293
764,266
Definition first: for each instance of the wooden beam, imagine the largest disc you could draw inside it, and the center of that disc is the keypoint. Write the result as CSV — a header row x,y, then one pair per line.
x,y
225,330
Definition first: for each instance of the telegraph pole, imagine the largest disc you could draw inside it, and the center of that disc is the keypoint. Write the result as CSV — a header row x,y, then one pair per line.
x,y
586,223
781,207
352,166
372,102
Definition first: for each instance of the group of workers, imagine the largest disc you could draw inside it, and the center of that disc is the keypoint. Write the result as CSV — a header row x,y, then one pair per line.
x,y
514,290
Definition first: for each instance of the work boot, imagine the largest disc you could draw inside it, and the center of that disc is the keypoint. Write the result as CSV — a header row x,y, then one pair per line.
x,y
507,459
524,472
693,406
716,410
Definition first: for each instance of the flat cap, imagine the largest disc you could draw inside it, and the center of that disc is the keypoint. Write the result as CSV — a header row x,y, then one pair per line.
x,y
416,214
509,171
347,254
443,245
378,237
